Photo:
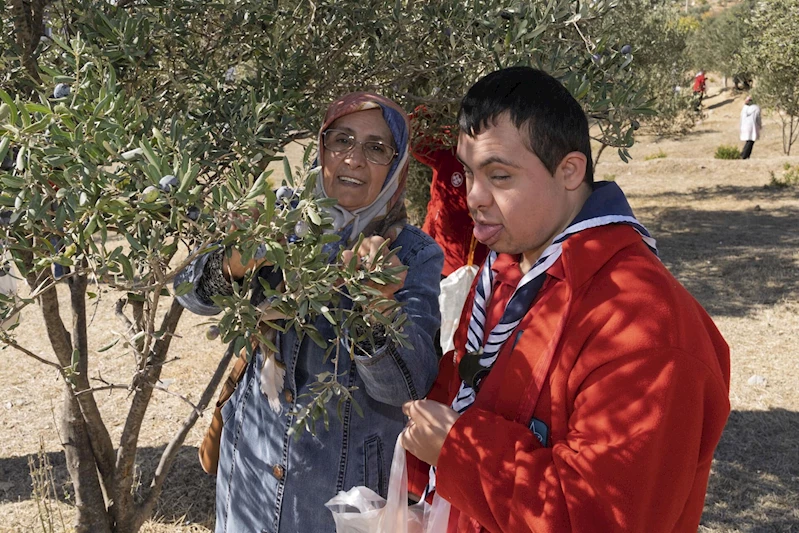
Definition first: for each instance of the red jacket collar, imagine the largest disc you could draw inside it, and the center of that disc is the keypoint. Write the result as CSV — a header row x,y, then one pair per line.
x,y
584,254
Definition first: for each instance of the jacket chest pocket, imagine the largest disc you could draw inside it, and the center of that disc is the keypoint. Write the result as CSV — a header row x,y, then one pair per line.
x,y
375,475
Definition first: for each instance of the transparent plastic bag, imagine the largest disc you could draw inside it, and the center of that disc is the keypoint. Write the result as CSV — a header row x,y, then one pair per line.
x,y
454,291
361,510
8,287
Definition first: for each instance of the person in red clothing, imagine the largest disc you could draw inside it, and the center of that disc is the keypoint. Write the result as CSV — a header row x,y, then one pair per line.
x,y
699,88
587,390
448,220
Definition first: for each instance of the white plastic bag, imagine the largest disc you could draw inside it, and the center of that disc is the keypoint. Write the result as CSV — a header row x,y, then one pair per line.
x,y
8,287
454,290
362,510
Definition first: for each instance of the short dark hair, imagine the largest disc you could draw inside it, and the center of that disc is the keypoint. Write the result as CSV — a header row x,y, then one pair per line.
x,y
555,122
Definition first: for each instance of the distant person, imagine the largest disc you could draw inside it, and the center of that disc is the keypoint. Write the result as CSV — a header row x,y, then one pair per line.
x,y
700,86
448,220
750,126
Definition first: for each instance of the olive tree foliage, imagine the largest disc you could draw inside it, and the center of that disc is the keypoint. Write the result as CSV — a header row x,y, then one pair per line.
x,y
657,34
718,43
773,52
135,133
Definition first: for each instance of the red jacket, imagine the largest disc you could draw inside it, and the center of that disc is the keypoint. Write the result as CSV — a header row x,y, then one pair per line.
x,y
699,83
635,400
448,220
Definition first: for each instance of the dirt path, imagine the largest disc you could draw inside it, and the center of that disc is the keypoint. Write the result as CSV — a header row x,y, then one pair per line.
x,y
731,240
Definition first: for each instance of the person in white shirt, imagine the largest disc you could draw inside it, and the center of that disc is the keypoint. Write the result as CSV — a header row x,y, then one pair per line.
x,y
750,126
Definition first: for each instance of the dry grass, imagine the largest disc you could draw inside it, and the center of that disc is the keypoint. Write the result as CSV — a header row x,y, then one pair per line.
x,y
731,240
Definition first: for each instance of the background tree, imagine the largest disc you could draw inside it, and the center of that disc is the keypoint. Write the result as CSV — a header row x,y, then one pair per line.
x,y
773,52
718,43
137,130
657,33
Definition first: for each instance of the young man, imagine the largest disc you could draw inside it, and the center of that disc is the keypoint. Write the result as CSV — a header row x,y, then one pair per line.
x,y
588,389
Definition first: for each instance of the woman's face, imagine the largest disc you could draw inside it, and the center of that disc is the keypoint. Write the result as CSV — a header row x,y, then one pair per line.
x,y
349,177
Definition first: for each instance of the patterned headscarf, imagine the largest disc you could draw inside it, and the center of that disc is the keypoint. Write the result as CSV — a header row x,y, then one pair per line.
x,y
387,212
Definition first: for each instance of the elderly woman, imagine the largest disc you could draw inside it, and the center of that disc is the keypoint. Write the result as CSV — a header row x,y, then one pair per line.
x,y
267,481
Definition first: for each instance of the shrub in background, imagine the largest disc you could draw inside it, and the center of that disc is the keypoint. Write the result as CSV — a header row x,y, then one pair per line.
x,y
726,151
789,178
659,155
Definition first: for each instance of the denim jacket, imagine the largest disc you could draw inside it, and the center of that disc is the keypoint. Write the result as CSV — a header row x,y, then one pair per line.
x,y
269,482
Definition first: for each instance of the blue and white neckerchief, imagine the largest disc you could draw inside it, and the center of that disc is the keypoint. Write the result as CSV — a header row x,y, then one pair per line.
x,y
606,205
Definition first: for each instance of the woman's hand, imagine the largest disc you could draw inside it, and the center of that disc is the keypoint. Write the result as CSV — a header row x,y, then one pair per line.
x,y
365,256
232,266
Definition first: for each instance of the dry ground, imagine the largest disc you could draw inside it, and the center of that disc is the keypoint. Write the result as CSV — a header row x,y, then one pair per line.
x,y
730,239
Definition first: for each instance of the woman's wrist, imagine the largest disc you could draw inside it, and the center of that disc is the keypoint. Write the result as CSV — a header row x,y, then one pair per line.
x,y
213,282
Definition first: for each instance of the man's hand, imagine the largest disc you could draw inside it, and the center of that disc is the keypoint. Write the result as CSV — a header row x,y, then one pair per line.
x,y
366,255
428,425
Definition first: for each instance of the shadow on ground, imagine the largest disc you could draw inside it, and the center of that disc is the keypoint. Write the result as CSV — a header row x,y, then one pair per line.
x,y
730,260
682,136
721,104
188,493
755,477
755,474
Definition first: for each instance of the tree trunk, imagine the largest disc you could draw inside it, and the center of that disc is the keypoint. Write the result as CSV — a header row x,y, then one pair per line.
x,y
128,519
26,24
89,502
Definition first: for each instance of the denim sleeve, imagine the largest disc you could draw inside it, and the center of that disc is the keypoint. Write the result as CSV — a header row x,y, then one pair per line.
x,y
393,374
192,300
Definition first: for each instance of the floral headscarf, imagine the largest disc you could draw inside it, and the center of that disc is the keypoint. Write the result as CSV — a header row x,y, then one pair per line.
x,y
387,211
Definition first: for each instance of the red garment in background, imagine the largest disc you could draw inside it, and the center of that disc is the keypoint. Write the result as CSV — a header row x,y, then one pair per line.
x,y
448,220
699,83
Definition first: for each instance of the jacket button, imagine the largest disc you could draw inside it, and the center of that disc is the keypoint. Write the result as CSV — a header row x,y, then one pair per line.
x,y
279,472
288,395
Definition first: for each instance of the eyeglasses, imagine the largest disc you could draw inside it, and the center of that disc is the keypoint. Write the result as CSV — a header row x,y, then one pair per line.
x,y
341,142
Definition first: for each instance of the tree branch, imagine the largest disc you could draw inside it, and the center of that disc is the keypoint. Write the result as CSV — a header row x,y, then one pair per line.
x,y
170,452
118,311
9,342
144,382
61,341
99,437
599,154
48,299
119,386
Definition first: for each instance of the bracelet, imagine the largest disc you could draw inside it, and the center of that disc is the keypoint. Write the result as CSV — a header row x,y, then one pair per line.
x,y
213,282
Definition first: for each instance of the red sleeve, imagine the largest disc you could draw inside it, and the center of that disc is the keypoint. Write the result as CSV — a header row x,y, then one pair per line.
x,y
629,461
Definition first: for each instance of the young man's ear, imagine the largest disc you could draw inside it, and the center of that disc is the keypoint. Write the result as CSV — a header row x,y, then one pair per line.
x,y
572,170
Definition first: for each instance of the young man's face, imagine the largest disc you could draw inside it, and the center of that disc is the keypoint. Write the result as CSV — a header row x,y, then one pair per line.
x,y
518,207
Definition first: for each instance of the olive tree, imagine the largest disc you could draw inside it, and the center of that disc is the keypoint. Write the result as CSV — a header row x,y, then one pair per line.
x,y
655,34
719,41
773,52
135,132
